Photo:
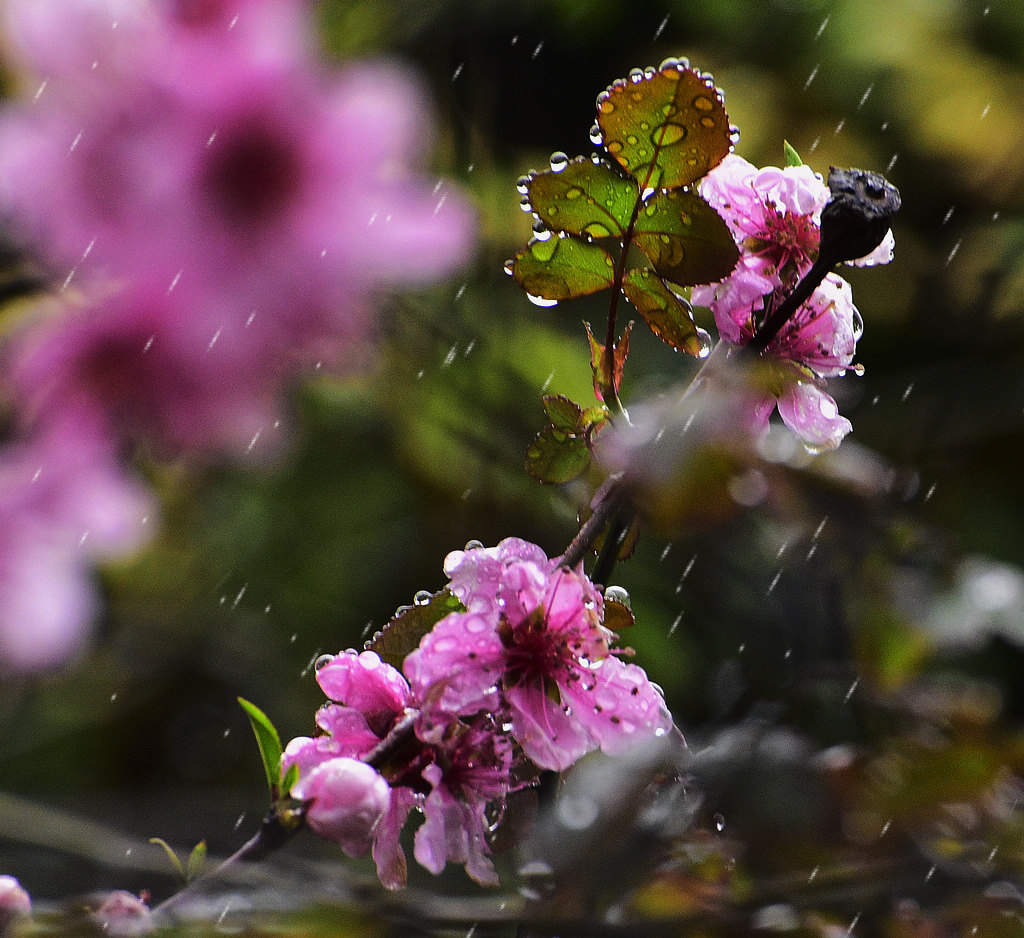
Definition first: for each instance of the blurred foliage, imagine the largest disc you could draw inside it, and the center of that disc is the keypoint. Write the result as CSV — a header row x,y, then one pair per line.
x,y
843,652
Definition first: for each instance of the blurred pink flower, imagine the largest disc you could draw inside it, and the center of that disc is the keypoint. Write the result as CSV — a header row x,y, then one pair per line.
x,y
14,902
64,504
245,199
774,215
124,915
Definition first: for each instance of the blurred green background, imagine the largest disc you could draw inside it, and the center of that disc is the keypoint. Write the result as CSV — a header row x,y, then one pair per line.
x,y
850,609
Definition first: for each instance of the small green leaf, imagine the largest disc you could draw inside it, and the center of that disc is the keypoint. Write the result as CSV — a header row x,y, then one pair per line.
x,y
584,198
603,382
171,855
557,456
666,126
196,861
403,632
669,316
685,238
290,778
563,413
269,743
562,267
792,157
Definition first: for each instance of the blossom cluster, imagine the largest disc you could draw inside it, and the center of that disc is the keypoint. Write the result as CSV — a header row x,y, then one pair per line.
x,y
775,215
215,210
525,677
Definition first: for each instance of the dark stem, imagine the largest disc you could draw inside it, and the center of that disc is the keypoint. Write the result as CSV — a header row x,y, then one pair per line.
x,y
779,316
589,531
620,273
617,528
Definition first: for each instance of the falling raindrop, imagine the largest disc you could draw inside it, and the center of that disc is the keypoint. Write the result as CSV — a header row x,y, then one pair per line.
x,y
821,28
812,76
536,49
458,71
719,822
661,27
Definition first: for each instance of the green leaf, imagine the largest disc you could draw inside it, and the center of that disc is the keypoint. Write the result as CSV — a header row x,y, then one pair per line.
x,y
563,413
196,861
290,778
792,157
171,855
603,382
685,238
670,317
269,745
562,267
666,126
584,198
403,632
557,455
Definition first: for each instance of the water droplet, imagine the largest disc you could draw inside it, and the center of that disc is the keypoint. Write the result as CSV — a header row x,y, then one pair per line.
x,y
636,75
719,822
401,610
509,267
858,325
473,544
618,594
828,408
667,134
422,597
669,63
596,230
573,192
543,249
524,205
703,103
322,661
858,369
541,231
614,146
558,161
523,184
541,300
596,137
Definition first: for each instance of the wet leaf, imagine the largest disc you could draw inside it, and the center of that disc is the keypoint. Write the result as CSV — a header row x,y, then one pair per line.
x,y
403,632
290,778
557,455
563,413
666,126
603,381
685,238
584,198
562,267
269,743
669,317
617,616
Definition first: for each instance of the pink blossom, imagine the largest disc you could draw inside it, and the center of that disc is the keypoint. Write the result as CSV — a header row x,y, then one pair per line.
x,y
348,799
775,215
543,646
64,504
474,769
124,915
14,901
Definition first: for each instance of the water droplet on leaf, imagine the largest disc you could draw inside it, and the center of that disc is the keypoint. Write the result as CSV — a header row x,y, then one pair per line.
x,y
422,597
558,161
541,300
618,594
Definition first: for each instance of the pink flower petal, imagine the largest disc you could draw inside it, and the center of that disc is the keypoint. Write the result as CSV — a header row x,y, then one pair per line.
x,y
813,416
